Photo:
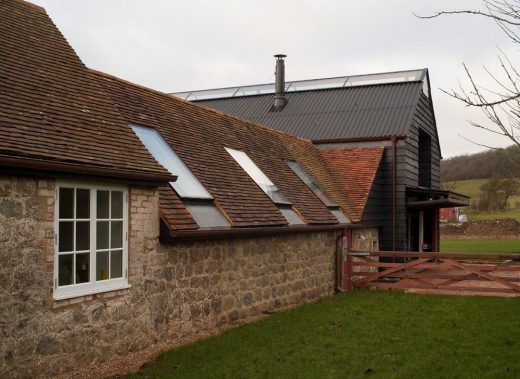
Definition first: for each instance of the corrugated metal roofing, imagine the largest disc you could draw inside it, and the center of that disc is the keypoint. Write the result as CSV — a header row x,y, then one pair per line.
x,y
351,112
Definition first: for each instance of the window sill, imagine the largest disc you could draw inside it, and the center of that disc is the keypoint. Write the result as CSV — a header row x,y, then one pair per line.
x,y
93,291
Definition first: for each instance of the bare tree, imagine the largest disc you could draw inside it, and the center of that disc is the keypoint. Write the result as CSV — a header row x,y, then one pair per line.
x,y
500,105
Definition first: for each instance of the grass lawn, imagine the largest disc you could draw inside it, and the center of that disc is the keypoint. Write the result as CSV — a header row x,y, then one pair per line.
x,y
496,215
362,334
480,246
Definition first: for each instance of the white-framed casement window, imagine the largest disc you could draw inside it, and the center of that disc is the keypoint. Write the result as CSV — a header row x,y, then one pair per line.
x,y
91,239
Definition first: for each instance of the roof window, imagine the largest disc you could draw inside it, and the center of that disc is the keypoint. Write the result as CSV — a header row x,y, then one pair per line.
x,y
283,204
310,182
313,185
258,176
186,185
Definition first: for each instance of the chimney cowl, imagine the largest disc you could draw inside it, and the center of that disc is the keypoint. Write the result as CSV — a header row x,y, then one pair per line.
x,y
279,88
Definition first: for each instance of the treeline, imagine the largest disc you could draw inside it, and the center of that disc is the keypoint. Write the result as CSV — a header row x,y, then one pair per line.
x,y
503,163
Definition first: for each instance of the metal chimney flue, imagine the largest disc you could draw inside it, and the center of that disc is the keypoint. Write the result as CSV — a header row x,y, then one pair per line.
x,y
279,88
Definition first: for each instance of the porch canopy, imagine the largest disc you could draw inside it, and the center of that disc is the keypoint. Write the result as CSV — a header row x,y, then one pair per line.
x,y
420,197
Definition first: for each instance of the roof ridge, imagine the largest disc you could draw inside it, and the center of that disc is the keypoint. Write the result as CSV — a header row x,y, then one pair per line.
x,y
35,6
309,80
192,104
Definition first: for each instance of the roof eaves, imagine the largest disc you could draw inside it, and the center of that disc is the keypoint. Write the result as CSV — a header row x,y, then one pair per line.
x,y
10,162
168,235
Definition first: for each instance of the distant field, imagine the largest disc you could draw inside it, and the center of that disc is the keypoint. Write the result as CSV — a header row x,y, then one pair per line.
x,y
493,216
480,246
471,188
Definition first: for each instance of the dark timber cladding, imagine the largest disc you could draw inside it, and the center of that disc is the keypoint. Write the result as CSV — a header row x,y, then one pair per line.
x,y
362,115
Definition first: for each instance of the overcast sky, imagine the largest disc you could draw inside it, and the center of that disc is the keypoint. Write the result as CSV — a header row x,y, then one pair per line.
x,y
174,45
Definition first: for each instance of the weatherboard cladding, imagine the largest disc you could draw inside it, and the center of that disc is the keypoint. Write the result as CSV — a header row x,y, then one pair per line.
x,y
198,135
50,109
351,112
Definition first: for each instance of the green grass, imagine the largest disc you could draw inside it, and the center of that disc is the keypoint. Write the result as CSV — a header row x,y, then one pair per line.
x,y
471,188
362,334
496,215
480,246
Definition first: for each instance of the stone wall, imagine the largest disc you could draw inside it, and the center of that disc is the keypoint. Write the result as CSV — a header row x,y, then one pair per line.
x,y
366,239
178,290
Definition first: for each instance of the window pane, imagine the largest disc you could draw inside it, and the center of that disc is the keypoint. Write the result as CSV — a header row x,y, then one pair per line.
x,y
340,216
82,268
310,182
186,185
116,264
65,269
102,235
258,176
117,204
206,215
102,272
66,233
116,238
102,204
291,216
82,203
82,235
66,203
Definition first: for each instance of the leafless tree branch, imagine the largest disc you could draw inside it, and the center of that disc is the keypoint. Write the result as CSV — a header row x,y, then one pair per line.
x,y
501,105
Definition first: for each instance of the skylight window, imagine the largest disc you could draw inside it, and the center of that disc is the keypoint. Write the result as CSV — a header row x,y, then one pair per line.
x,y
186,185
258,176
311,183
206,215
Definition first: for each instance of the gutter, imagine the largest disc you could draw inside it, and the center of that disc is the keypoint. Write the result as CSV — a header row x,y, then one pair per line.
x,y
167,235
15,164
358,139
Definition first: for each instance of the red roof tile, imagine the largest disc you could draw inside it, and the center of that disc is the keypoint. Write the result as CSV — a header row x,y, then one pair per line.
x,y
55,111
198,135
50,108
174,212
355,169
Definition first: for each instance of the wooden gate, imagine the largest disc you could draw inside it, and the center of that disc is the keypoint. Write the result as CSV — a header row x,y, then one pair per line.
x,y
494,274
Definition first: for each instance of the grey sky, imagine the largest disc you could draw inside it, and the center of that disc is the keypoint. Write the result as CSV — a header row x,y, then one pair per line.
x,y
187,45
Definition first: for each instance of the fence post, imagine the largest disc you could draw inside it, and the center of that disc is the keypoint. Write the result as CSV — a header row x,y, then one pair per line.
x,y
347,260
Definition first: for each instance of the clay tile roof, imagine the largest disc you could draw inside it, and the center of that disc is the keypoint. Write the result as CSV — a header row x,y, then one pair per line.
x,y
355,169
52,114
198,135
174,212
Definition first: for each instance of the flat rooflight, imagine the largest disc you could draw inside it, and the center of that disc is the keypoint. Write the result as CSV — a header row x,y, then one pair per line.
x,y
187,185
310,182
258,176
310,84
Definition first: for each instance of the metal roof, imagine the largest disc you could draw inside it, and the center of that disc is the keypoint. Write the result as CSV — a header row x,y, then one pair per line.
x,y
348,112
311,84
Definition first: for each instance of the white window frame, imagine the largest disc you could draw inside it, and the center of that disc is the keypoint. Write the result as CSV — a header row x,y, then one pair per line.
x,y
93,286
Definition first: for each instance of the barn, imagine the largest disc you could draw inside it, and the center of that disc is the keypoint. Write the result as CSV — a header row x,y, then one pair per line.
x,y
384,120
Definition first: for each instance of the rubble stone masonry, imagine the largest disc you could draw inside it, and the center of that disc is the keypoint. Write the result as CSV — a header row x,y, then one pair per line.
x,y
177,290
